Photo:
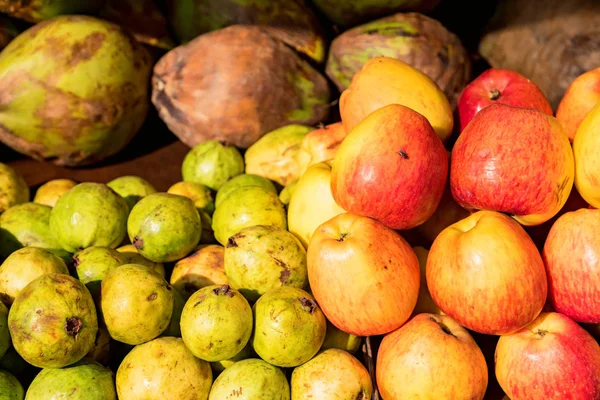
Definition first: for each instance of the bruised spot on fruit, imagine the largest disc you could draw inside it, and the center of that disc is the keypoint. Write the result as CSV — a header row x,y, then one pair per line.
x,y
73,326
153,296
560,189
494,94
224,290
231,242
86,49
403,154
308,304
284,276
138,242
540,333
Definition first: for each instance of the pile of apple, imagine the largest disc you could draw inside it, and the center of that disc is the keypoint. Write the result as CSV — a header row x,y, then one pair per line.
x,y
506,181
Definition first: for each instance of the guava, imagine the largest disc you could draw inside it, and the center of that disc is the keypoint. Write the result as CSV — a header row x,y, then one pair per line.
x,y
211,164
90,214
131,188
286,194
49,193
14,363
216,323
289,327
243,180
53,321
93,264
174,328
24,266
84,380
249,380
247,206
338,339
260,258
163,369
204,267
201,195
10,387
13,188
136,303
101,350
220,366
164,227
4,332
134,257
28,224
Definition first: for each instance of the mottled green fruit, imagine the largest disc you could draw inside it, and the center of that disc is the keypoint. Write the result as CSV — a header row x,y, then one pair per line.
x,y
137,304
131,188
49,193
286,194
14,363
338,339
10,387
289,327
24,266
164,227
247,206
208,235
53,321
101,350
90,214
38,10
211,164
273,156
216,323
4,332
13,188
220,366
250,380
134,257
201,195
25,225
60,103
85,380
163,369
94,263
243,180
260,258
174,328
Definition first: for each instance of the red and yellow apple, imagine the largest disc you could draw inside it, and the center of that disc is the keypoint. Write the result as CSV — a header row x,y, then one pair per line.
x,y
320,145
486,273
425,303
552,358
383,81
572,258
431,358
579,99
391,167
364,275
513,160
500,86
586,147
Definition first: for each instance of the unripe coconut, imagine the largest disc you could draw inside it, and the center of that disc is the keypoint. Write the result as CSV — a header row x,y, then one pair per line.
x,y
204,267
249,380
243,180
38,10
4,332
260,258
134,257
24,266
268,86
164,227
212,164
289,327
93,264
90,214
13,188
59,102
163,369
216,323
49,193
10,387
53,321
137,304
131,188
201,195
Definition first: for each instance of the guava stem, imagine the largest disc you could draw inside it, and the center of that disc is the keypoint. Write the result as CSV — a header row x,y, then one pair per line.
x,y
308,304
224,290
73,326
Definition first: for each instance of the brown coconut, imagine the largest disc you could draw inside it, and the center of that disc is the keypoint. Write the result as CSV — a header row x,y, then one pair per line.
x,y
235,85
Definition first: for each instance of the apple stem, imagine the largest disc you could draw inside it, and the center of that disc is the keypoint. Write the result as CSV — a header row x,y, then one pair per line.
x,y
540,333
342,237
494,94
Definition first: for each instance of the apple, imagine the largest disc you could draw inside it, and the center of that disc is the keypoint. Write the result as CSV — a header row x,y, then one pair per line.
x,y
320,145
579,99
383,81
502,86
551,358
513,160
447,213
586,147
391,167
364,275
431,357
486,273
312,203
572,258
425,303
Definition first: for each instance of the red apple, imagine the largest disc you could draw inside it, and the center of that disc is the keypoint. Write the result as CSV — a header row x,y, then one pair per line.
x,y
500,86
579,99
513,160
572,258
391,167
486,273
553,358
431,357
364,275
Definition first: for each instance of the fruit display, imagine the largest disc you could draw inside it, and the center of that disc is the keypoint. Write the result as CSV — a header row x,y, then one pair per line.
x,y
403,220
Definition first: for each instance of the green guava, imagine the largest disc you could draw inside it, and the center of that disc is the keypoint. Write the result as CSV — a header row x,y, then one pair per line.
x,y
10,387
134,257
136,303
13,188
211,164
243,180
204,267
4,332
201,195
131,188
216,323
338,339
286,194
53,321
174,328
14,363
249,380
49,193
101,350
220,366
247,206
163,369
289,327
94,263
84,380
90,214
164,227
260,258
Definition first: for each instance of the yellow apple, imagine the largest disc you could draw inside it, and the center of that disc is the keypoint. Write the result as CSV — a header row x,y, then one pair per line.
x,y
425,303
586,147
